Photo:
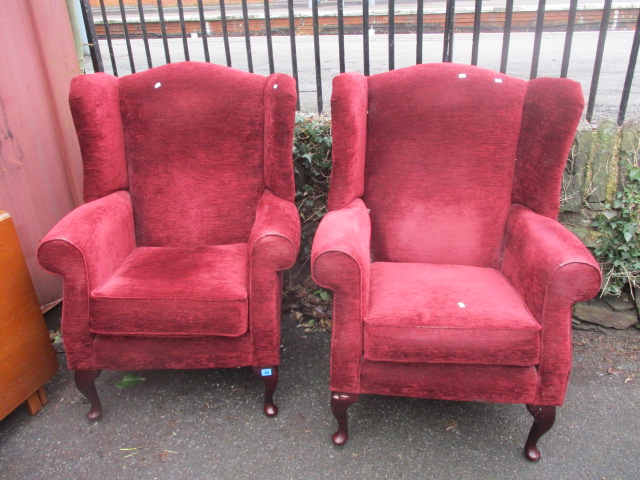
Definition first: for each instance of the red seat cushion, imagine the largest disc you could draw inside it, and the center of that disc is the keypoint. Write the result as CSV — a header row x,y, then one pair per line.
x,y
447,314
160,291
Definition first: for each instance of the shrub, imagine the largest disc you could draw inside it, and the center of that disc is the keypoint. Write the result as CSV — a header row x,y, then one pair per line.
x,y
312,167
306,304
618,248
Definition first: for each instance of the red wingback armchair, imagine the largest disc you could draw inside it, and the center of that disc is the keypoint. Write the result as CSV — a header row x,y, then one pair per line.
x,y
451,277
175,259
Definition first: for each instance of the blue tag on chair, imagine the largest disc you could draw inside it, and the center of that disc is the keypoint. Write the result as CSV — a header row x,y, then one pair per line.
x,y
266,372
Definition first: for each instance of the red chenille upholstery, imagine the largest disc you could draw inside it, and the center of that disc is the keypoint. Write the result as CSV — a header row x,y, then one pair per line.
x,y
483,321
451,277
175,259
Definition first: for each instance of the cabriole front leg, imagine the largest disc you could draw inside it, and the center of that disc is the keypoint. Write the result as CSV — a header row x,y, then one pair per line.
x,y
269,375
543,418
85,383
340,402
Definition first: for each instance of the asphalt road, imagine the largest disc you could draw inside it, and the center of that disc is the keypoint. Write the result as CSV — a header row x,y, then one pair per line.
x,y
614,64
208,424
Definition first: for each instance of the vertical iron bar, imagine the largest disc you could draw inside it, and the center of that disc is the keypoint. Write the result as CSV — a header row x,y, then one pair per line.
x,y
145,38
633,57
476,32
316,48
92,37
183,29
420,28
506,36
391,16
568,39
294,54
225,32
340,4
604,25
105,22
447,49
537,39
247,34
163,26
267,24
203,31
126,36
365,35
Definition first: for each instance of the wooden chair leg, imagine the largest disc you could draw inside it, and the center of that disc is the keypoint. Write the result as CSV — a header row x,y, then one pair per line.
x,y
36,401
42,395
340,402
269,375
85,383
543,418
34,404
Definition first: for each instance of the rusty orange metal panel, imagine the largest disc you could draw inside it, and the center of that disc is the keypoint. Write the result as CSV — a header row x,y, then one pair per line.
x,y
40,163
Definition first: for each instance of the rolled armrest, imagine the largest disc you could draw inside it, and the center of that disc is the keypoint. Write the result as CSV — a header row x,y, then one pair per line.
x,y
340,260
542,258
552,270
89,243
273,245
340,257
275,237
86,247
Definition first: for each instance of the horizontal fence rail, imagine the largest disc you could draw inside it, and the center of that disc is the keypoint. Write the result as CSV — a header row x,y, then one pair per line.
x,y
524,38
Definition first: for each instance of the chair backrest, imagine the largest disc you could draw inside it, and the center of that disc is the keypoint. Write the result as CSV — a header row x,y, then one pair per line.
x,y
440,169
190,143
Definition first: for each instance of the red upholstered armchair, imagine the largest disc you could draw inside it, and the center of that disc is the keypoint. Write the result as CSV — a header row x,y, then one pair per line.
x,y
175,259
451,277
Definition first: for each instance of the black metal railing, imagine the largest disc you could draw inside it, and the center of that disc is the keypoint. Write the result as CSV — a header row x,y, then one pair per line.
x,y
249,19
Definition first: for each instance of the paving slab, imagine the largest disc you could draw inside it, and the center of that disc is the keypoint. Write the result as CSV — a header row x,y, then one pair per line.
x,y
201,424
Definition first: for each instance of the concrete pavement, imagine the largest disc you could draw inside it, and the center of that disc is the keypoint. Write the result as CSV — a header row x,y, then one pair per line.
x,y
209,425
614,64
329,7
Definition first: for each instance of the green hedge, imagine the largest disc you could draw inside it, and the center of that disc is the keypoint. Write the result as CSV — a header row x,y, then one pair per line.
x,y
312,167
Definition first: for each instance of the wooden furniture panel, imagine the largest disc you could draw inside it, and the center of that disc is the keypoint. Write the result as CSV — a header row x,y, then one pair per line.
x,y
27,358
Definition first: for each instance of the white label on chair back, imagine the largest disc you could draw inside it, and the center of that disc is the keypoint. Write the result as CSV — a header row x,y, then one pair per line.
x,y
461,305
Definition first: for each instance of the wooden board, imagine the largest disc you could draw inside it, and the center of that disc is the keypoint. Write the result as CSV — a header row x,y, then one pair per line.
x,y
27,358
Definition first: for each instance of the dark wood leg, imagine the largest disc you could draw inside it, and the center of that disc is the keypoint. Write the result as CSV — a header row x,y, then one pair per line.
x,y
85,383
269,375
340,402
543,418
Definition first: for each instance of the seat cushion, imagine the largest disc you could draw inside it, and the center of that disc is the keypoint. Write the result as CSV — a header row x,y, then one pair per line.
x,y
161,291
447,314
